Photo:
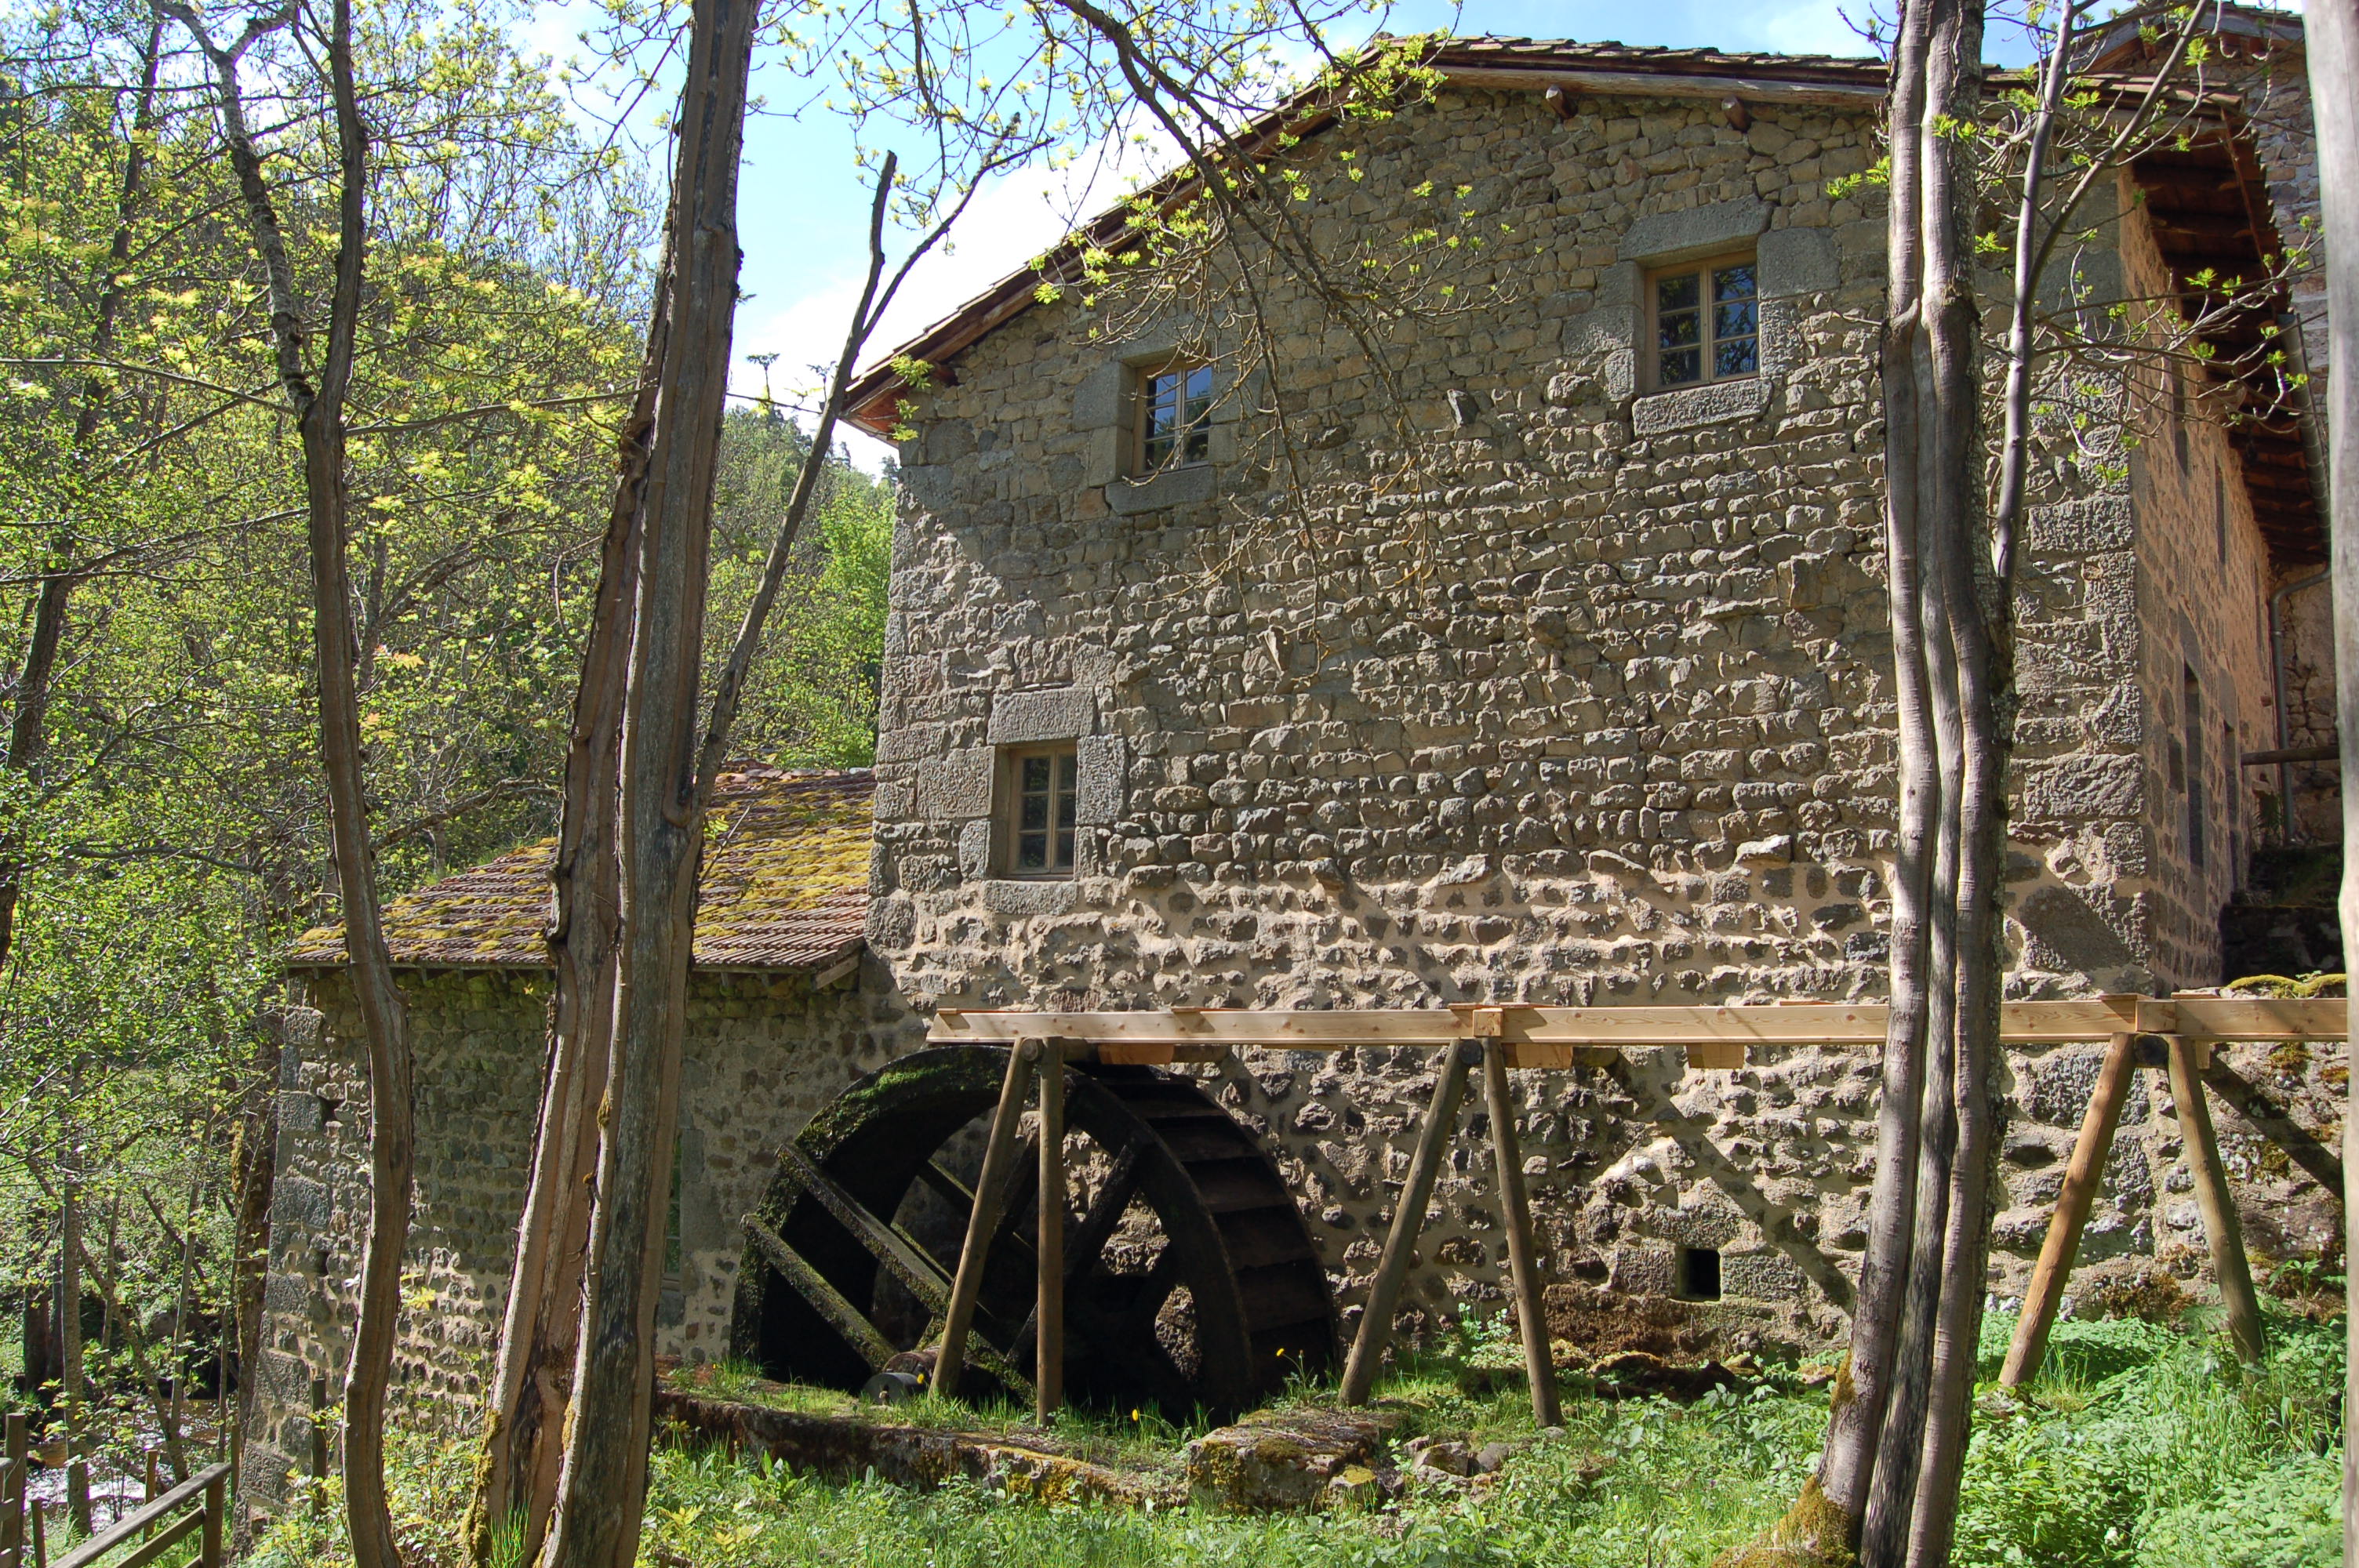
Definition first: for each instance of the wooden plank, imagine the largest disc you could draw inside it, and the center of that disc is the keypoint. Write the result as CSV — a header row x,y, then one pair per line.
x,y
1806,1024
1716,1054
849,1323
903,1258
2082,1179
1664,84
1523,1252
1408,1218
1048,1309
982,1217
2231,1270
2246,1018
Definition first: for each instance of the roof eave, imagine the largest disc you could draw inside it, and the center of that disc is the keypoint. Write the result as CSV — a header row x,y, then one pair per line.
x,y
873,401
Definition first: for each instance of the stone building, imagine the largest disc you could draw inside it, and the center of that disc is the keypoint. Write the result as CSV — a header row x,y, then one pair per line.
x,y
1587,704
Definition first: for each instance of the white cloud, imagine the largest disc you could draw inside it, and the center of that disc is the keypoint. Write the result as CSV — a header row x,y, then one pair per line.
x,y
1010,222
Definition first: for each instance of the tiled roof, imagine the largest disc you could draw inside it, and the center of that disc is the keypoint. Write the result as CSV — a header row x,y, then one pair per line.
x,y
1570,54
786,887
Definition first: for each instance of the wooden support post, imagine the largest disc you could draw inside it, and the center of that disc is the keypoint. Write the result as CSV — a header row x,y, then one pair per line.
x,y
40,1536
983,1217
2230,1268
11,1505
209,1548
2083,1180
1523,1253
1048,1360
1408,1218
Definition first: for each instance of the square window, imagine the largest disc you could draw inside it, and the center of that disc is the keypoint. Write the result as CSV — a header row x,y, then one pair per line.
x,y
1037,815
1174,418
1707,323
1700,1274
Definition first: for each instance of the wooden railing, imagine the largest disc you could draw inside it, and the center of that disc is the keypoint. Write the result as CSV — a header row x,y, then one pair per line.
x,y
196,1507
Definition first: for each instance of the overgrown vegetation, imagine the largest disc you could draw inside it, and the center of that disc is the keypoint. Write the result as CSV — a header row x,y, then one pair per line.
x,y
2143,1447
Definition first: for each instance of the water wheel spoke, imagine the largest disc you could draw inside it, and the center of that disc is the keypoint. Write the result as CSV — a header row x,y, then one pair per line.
x,y
825,1299
1086,1241
960,1199
902,1257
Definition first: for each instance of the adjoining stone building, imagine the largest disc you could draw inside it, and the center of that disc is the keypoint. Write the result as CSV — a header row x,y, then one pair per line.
x,y
1622,734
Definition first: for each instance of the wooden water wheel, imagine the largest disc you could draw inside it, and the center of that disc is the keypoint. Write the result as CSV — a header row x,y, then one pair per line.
x,y
1190,1280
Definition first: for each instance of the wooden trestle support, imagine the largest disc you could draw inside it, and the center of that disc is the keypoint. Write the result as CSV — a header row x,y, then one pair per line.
x,y
2178,1034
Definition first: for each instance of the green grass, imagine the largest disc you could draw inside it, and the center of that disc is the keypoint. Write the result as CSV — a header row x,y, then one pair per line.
x,y
2144,1447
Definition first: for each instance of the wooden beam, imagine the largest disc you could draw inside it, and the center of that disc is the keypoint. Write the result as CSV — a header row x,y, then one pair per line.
x,y
2231,1270
1523,1251
2083,1180
849,1324
1616,1028
983,1217
1049,1312
1619,1028
2245,1018
1408,1218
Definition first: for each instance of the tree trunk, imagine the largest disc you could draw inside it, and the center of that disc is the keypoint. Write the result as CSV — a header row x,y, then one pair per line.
x,y
319,408
70,1347
254,1167
517,1479
603,1487
2332,28
1887,1484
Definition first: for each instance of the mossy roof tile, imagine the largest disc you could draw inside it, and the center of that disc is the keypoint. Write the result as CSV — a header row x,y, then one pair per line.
x,y
785,887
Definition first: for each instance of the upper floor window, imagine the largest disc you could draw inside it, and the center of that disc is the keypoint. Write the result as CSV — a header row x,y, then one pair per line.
x,y
1175,417
1036,824
1707,321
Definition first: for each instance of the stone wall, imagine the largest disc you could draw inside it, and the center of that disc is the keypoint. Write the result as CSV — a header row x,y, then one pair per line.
x,y
2274,81
1594,710
764,1053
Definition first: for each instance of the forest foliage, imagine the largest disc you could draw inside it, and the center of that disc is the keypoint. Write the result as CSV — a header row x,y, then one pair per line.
x,y
171,831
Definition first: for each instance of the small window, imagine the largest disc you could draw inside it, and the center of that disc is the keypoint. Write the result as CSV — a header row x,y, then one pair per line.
x,y
2192,712
2178,446
1175,418
2220,513
1707,323
1700,1274
1038,823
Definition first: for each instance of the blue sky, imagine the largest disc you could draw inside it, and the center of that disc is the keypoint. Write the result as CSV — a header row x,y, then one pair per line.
x,y
803,205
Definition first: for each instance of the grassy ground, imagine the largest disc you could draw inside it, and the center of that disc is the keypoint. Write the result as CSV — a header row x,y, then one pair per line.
x,y
2144,1447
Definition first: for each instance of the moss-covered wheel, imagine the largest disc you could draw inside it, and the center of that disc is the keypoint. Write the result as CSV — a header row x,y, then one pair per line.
x,y
1190,1279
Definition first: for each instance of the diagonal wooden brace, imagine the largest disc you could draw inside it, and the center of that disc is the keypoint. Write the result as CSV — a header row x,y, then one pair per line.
x,y
2230,1268
1408,1218
2083,1180
983,1219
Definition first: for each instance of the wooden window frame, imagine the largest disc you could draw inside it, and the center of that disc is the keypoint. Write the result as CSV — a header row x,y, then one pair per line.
x,y
1652,343
1142,402
1008,813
